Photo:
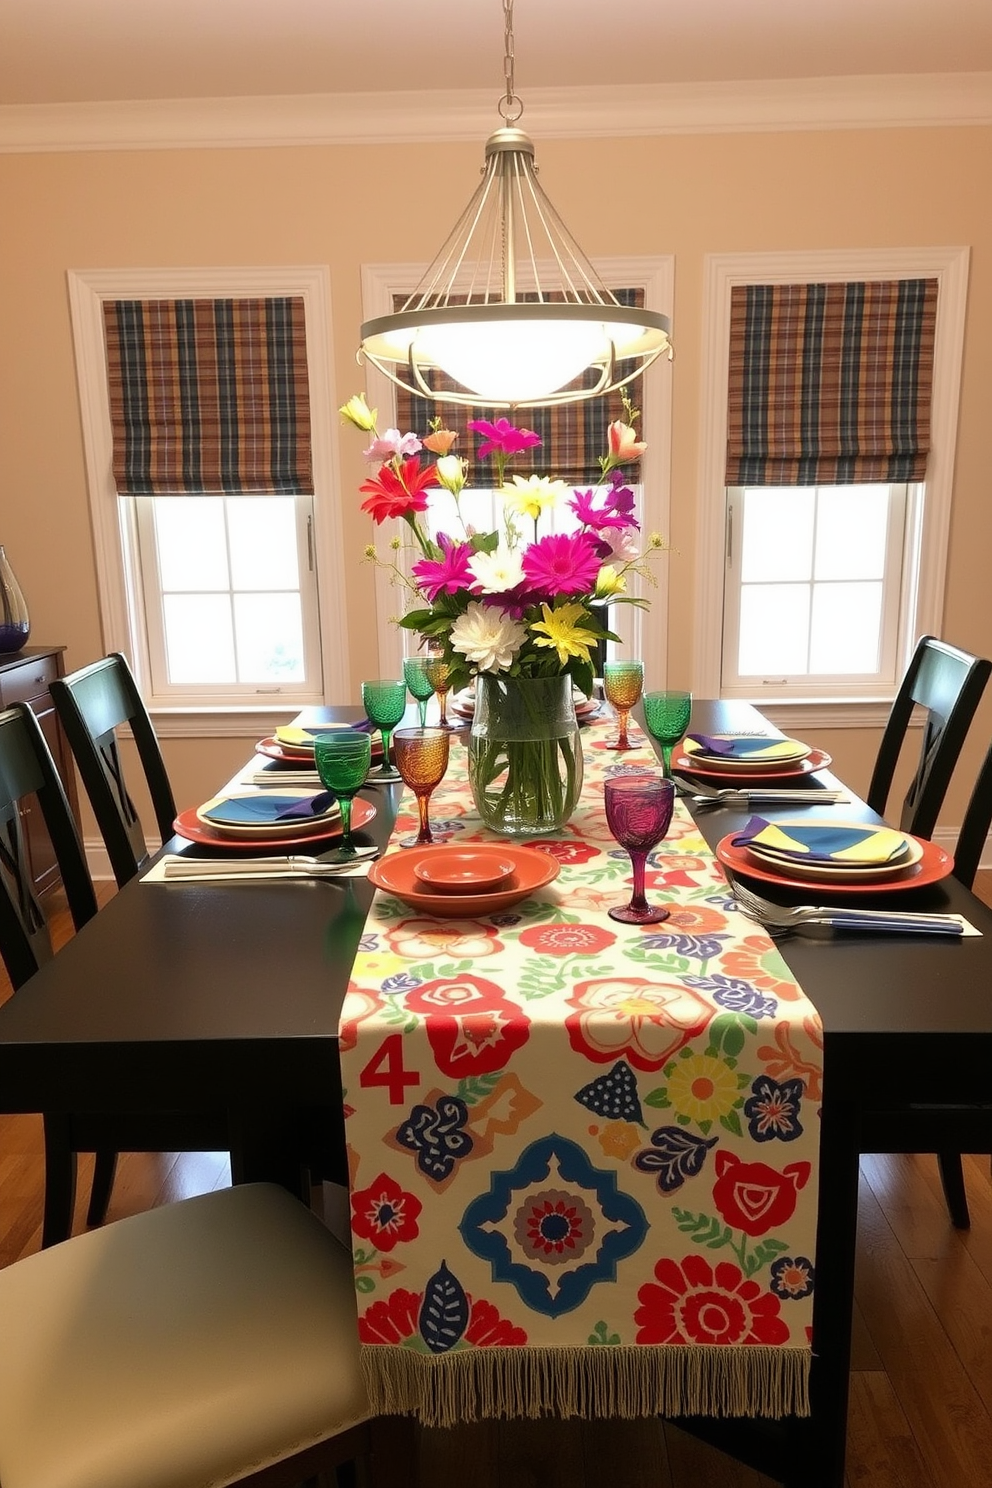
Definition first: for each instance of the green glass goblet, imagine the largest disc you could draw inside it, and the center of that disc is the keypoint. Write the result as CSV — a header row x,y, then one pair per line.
x,y
420,685
342,761
385,703
667,717
622,684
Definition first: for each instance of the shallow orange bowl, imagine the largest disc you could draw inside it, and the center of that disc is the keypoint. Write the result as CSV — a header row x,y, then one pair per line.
x,y
456,870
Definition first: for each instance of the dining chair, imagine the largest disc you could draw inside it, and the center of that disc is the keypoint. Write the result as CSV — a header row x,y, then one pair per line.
x,y
27,769
946,1129
948,684
92,703
213,1340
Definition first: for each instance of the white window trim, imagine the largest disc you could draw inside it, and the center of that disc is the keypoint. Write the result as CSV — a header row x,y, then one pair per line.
x,y
88,289
656,276
721,272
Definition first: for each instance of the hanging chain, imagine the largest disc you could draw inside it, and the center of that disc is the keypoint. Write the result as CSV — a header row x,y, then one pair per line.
x,y
510,107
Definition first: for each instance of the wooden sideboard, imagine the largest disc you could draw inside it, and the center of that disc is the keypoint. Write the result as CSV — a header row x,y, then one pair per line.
x,y
25,677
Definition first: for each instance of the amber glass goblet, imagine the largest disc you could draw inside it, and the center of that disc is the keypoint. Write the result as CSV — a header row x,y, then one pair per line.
x,y
622,684
422,759
639,813
438,673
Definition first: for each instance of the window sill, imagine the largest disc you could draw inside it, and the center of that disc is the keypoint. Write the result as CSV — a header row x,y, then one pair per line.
x,y
234,722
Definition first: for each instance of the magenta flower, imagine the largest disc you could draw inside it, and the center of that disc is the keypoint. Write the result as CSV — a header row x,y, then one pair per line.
x,y
447,576
562,564
596,517
502,438
621,500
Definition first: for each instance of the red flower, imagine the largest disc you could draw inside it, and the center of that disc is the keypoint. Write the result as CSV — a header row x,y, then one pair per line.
x,y
457,996
568,852
697,1303
477,1043
486,1329
567,940
398,493
754,1197
393,1320
384,1213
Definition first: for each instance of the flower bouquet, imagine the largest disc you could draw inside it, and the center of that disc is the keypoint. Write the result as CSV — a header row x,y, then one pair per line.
x,y
516,608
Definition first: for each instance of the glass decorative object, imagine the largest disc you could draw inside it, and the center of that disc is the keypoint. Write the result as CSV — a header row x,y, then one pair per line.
x,y
15,623
524,754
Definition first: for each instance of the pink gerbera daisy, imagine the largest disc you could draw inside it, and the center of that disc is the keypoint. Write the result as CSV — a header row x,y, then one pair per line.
x,y
562,564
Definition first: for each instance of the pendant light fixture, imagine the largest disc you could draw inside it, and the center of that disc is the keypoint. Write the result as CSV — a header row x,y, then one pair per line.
x,y
511,310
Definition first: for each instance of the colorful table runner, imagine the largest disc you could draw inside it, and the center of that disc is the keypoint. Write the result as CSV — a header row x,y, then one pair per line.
x,y
583,1154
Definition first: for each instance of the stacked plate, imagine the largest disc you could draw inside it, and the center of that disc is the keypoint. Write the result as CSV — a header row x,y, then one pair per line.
x,y
292,744
760,757
267,819
455,882
831,850
463,704
262,814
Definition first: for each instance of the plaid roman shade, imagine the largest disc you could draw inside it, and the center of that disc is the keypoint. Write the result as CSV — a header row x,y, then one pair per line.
x,y
573,435
830,383
209,396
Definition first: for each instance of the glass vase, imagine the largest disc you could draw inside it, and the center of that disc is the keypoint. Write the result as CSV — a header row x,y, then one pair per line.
x,y
524,754
15,625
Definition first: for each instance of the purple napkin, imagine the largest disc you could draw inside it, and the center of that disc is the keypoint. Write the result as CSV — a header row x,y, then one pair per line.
x,y
712,744
309,807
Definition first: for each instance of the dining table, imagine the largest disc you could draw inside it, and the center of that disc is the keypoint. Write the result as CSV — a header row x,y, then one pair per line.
x,y
228,996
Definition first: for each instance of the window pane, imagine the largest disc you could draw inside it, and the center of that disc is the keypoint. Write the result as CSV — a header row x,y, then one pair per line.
x,y
851,531
777,542
199,644
192,551
846,628
269,637
774,629
263,542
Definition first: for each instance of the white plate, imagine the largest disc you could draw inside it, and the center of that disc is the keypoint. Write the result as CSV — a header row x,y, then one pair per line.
x,y
794,756
837,873
296,825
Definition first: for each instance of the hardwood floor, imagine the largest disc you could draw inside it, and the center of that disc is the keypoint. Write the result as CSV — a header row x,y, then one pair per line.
x,y
921,1382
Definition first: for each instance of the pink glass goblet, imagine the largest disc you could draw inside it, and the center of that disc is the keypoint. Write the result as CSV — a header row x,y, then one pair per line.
x,y
639,813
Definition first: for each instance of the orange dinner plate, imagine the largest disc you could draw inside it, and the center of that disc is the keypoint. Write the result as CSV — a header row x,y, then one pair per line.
x,y
933,865
396,874
187,824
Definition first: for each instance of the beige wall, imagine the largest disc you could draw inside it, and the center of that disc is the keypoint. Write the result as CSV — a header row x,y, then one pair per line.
x,y
685,195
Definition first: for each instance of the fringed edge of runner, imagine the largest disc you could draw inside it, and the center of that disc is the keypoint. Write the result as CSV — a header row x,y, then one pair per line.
x,y
610,1381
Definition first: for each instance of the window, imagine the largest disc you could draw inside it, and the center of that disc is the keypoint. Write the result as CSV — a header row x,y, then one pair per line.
x,y
805,607
817,592
227,593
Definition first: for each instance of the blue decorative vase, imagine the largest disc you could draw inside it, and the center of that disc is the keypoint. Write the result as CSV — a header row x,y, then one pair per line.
x,y
15,624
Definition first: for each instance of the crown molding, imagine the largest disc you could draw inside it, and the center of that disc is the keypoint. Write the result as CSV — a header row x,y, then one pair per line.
x,y
875,102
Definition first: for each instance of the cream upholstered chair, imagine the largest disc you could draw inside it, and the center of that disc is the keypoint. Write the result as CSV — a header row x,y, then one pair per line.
x,y
205,1343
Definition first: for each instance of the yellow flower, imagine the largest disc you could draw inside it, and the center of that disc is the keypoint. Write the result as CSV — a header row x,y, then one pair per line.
x,y
619,1139
563,633
702,1088
451,473
533,494
609,582
358,412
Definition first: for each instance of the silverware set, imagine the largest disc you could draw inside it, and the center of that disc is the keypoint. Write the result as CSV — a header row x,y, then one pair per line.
x,y
781,920
707,795
177,868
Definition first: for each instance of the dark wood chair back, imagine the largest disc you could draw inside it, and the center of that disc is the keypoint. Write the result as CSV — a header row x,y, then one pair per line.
x,y
948,684
28,770
92,704
975,827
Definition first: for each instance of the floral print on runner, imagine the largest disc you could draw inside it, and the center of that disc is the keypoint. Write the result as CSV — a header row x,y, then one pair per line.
x,y
583,1154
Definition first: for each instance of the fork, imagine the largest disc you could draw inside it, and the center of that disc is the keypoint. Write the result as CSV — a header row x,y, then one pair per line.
x,y
781,919
708,795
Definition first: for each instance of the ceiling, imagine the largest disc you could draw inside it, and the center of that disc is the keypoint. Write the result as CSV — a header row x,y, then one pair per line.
x,y
89,51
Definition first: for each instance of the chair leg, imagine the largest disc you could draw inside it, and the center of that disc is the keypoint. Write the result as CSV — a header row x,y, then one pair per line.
x,y
60,1180
104,1173
952,1180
